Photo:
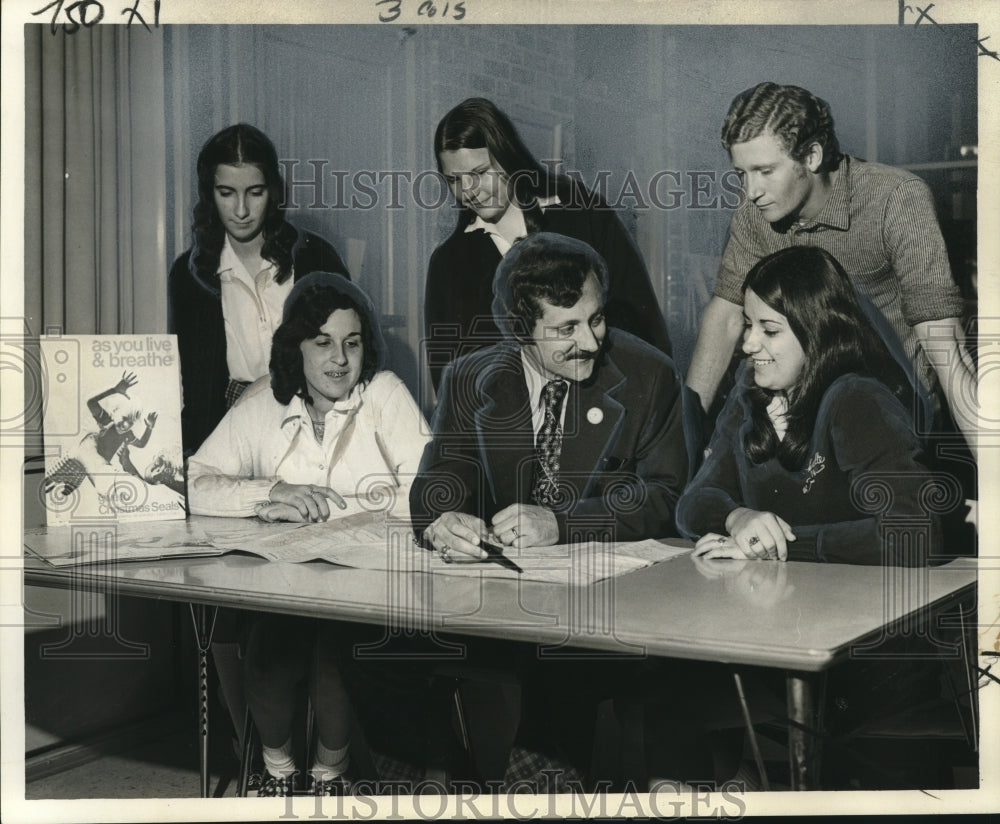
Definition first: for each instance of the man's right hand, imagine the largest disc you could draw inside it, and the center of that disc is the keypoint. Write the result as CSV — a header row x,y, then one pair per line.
x,y
456,536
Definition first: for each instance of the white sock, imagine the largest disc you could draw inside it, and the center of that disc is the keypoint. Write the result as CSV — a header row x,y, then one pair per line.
x,y
329,762
278,760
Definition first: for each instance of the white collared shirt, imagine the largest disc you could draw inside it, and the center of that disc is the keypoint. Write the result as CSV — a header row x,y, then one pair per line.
x,y
252,304
510,227
536,383
374,436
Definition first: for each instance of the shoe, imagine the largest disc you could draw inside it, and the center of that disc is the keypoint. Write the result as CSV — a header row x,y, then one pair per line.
x,y
748,776
527,768
337,785
254,782
273,787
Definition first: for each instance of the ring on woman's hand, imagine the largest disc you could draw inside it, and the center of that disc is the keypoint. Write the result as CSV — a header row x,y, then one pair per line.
x,y
445,553
720,540
754,540
514,530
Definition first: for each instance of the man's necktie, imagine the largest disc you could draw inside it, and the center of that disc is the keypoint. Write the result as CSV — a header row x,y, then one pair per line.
x,y
548,446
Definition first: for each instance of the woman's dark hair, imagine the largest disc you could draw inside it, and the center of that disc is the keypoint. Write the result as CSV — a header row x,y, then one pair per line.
x,y
235,146
477,123
306,310
810,288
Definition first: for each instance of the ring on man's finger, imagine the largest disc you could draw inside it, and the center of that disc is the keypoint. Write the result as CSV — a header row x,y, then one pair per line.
x,y
514,530
720,540
754,540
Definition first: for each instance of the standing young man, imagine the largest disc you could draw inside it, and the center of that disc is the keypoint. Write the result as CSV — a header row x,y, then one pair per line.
x,y
878,221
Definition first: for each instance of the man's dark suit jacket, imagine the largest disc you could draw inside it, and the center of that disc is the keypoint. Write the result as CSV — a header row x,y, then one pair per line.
x,y
623,455
458,301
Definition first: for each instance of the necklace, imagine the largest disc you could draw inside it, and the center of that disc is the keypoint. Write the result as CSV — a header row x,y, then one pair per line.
x,y
319,426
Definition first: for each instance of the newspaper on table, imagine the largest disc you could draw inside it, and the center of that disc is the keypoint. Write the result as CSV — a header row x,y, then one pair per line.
x,y
362,540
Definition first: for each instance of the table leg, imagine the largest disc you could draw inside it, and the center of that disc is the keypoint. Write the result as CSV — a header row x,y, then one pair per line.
x,y
804,742
203,618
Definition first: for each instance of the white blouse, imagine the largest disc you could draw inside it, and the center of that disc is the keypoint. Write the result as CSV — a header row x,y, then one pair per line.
x,y
373,439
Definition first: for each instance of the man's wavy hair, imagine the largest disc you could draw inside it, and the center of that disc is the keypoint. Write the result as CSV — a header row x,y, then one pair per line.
x,y
477,123
237,145
796,117
543,266
810,288
307,310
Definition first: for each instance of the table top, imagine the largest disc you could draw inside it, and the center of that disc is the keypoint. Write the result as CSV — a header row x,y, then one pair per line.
x,y
803,616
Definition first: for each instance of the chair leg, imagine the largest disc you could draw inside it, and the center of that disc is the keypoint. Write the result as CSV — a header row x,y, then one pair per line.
x,y
244,777
971,677
310,733
460,714
758,760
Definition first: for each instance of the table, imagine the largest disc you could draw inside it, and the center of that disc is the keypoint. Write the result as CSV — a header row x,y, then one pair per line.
x,y
801,618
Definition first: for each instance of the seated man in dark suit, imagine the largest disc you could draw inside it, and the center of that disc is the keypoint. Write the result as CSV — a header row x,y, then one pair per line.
x,y
565,430
564,420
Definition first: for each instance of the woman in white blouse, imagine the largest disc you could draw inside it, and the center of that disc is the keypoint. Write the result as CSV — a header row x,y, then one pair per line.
x,y
328,427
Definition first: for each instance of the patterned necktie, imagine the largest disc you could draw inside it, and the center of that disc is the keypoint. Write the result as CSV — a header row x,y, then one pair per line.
x,y
548,446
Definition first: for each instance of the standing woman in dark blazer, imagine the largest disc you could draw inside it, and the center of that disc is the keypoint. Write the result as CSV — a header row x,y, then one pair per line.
x,y
226,294
506,194
227,291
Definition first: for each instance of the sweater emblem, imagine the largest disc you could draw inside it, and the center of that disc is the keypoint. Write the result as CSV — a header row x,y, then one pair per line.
x,y
817,463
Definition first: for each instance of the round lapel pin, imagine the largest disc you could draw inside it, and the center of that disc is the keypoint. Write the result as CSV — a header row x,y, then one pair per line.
x,y
595,415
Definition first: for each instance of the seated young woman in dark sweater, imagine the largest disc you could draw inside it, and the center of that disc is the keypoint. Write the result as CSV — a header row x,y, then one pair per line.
x,y
813,450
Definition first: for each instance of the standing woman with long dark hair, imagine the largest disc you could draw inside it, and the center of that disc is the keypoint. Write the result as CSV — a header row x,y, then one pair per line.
x,y
506,194
228,289
226,298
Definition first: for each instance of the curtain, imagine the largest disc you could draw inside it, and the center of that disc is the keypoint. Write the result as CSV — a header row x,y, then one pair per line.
x,y
95,185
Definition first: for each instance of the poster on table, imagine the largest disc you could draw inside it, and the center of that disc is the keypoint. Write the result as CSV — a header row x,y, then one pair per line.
x,y
112,429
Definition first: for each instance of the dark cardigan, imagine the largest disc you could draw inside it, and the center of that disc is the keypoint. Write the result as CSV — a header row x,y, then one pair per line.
x,y
862,472
196,318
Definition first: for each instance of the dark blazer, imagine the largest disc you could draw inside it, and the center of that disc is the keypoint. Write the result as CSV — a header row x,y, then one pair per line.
x,y
196,317
458,300
623,454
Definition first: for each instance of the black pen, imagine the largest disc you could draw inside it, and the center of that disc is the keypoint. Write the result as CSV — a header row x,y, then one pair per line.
x,y
495,554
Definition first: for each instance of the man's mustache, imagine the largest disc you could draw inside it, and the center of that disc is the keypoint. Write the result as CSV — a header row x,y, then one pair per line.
x,y
582,356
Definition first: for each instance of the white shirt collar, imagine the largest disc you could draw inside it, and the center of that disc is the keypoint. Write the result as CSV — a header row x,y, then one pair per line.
x,y
297,411
227,257
231,266
536,381
512,223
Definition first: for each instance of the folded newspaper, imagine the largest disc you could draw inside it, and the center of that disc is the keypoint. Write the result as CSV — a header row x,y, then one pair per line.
x,y
366,540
